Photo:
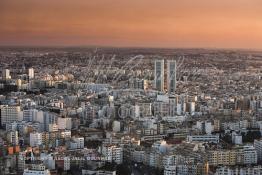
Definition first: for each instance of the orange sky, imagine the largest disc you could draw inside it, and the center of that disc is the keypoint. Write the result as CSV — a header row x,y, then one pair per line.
x,y
147,23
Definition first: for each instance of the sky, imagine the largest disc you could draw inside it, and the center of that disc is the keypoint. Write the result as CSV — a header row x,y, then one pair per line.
x,y
132,23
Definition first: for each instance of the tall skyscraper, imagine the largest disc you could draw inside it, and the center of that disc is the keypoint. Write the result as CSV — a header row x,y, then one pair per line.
x,y
6,74
159,75
171,76
31,73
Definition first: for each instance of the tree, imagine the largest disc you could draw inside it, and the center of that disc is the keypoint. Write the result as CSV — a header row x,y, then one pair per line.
x,y
123,169
227,138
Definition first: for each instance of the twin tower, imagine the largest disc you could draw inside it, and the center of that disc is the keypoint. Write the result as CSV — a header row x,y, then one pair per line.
x,y
159,83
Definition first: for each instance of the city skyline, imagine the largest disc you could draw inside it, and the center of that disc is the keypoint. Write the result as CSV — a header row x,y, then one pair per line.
x,y
182,24
141,87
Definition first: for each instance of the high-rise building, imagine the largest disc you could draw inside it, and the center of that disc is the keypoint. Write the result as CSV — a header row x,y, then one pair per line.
x,y
159,75
33,115
258,147
113,153
12,137
9,114
248,155
31,73
6,74
171,76
170,170
80,142
19,83
21,161
64,123
35,139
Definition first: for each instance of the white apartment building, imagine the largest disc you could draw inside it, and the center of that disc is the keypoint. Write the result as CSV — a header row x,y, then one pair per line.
x,y
12,137
35,139
33,115
256,170
78,142
237,139
9,114
153,159
192,108
11,126
31,73
64,123
66,163
138,156
141,110
66,134
48,160
161,109
170,170
52,127
186,169
168,160
113,153
203,138
116,126
249,155
6,74
37,170
258,147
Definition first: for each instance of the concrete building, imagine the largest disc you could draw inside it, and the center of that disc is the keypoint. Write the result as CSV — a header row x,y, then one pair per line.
x,y
171,76
138,156
6,74
66,163
159,75
21,161
48,160
37,170
33,115
204,127
248,155
35,139
168,160
31,73
12,137
237,139
19,83
216,125
79,143
9,114
224,170
52,127
170,170
116,126
222,157
203,138
113,153
98,172
258,147
64,123
192,108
